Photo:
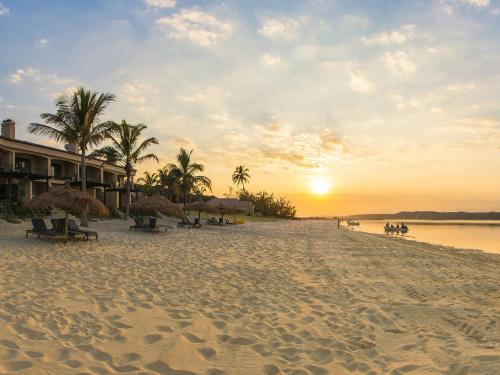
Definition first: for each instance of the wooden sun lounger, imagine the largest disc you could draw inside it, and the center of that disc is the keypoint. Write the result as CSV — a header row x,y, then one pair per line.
x,y
151,226
40,230
74,228
58,225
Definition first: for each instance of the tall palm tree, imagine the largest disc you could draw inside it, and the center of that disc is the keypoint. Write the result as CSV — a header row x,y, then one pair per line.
x,y
126,150
77,121
187,173
241,176
149,183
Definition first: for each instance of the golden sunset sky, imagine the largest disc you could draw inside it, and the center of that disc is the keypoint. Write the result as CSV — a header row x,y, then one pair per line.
x,y
386,105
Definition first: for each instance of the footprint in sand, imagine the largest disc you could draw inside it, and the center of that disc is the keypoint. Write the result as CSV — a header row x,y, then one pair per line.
x,y
271,370
13,366
241,341
207,353
192,338
215,371
181,325
73,363
164,329
6,354
162,368
152,339
34,354
320,355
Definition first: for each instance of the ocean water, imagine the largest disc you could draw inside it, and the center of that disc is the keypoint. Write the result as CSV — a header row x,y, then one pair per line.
x,y
467,234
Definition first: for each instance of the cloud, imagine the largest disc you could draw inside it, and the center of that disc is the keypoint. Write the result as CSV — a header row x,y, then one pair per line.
x,y
197,26
3,9
160,3
271,60
399,62
21,74
304,149
35,74
359,83
284,27
400,36
461,88
476,3
495,12
356,21
42,42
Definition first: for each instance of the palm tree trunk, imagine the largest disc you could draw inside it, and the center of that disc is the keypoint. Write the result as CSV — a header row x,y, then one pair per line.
x,y
83,187
127,200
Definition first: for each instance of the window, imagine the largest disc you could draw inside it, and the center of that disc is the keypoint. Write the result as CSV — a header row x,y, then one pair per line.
x,y
23,165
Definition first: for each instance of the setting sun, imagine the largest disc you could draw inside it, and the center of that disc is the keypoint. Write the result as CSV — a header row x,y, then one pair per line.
x,y
320,186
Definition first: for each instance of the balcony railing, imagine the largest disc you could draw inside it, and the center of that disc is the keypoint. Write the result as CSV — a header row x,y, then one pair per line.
x,y
8,170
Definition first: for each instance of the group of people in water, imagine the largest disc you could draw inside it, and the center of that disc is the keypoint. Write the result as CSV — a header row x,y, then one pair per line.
x,y
391,226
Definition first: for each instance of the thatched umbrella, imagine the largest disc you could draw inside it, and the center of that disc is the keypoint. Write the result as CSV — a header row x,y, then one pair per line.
x,y
228,210
201,207
153,205
70,200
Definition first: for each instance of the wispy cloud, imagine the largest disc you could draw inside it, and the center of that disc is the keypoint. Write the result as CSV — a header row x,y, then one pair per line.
x,y
283,27
196,26
160,3
271,60
476,3
359,82
399,36
42,42
35,74
399,62
3,9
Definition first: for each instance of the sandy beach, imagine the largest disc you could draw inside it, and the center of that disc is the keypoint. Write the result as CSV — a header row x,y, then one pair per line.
x,y
284,297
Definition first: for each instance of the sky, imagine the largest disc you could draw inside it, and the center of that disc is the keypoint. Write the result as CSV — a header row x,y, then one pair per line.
x,y
386,105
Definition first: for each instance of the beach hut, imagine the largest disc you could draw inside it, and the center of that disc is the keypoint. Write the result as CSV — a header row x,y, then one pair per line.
x,y
201,207
69,200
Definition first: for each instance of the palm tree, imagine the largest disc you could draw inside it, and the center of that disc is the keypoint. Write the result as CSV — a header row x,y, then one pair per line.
x,y
149,183
186,173
77,121
241,176
169,182
126,150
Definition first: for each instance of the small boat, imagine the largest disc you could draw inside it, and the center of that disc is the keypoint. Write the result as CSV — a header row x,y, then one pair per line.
x,y
352,222
396,229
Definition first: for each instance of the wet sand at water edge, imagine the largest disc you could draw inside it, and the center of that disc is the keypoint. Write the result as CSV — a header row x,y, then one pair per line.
x,y
284,297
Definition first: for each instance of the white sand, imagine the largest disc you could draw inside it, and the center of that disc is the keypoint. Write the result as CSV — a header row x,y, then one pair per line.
x,y
268,298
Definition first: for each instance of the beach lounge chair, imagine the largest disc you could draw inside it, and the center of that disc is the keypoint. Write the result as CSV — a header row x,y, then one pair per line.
x,y
74,228
58,225
230,222
215,221
189,222
147,224
40,230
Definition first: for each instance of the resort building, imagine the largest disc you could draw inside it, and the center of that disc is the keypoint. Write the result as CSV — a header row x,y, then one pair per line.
x,y
29,169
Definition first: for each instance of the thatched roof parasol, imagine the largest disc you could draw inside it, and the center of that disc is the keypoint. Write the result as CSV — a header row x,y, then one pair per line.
x,y
229,210
201,207
70,200
153,205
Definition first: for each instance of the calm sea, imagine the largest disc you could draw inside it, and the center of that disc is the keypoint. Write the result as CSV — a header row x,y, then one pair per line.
x,y
473,234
